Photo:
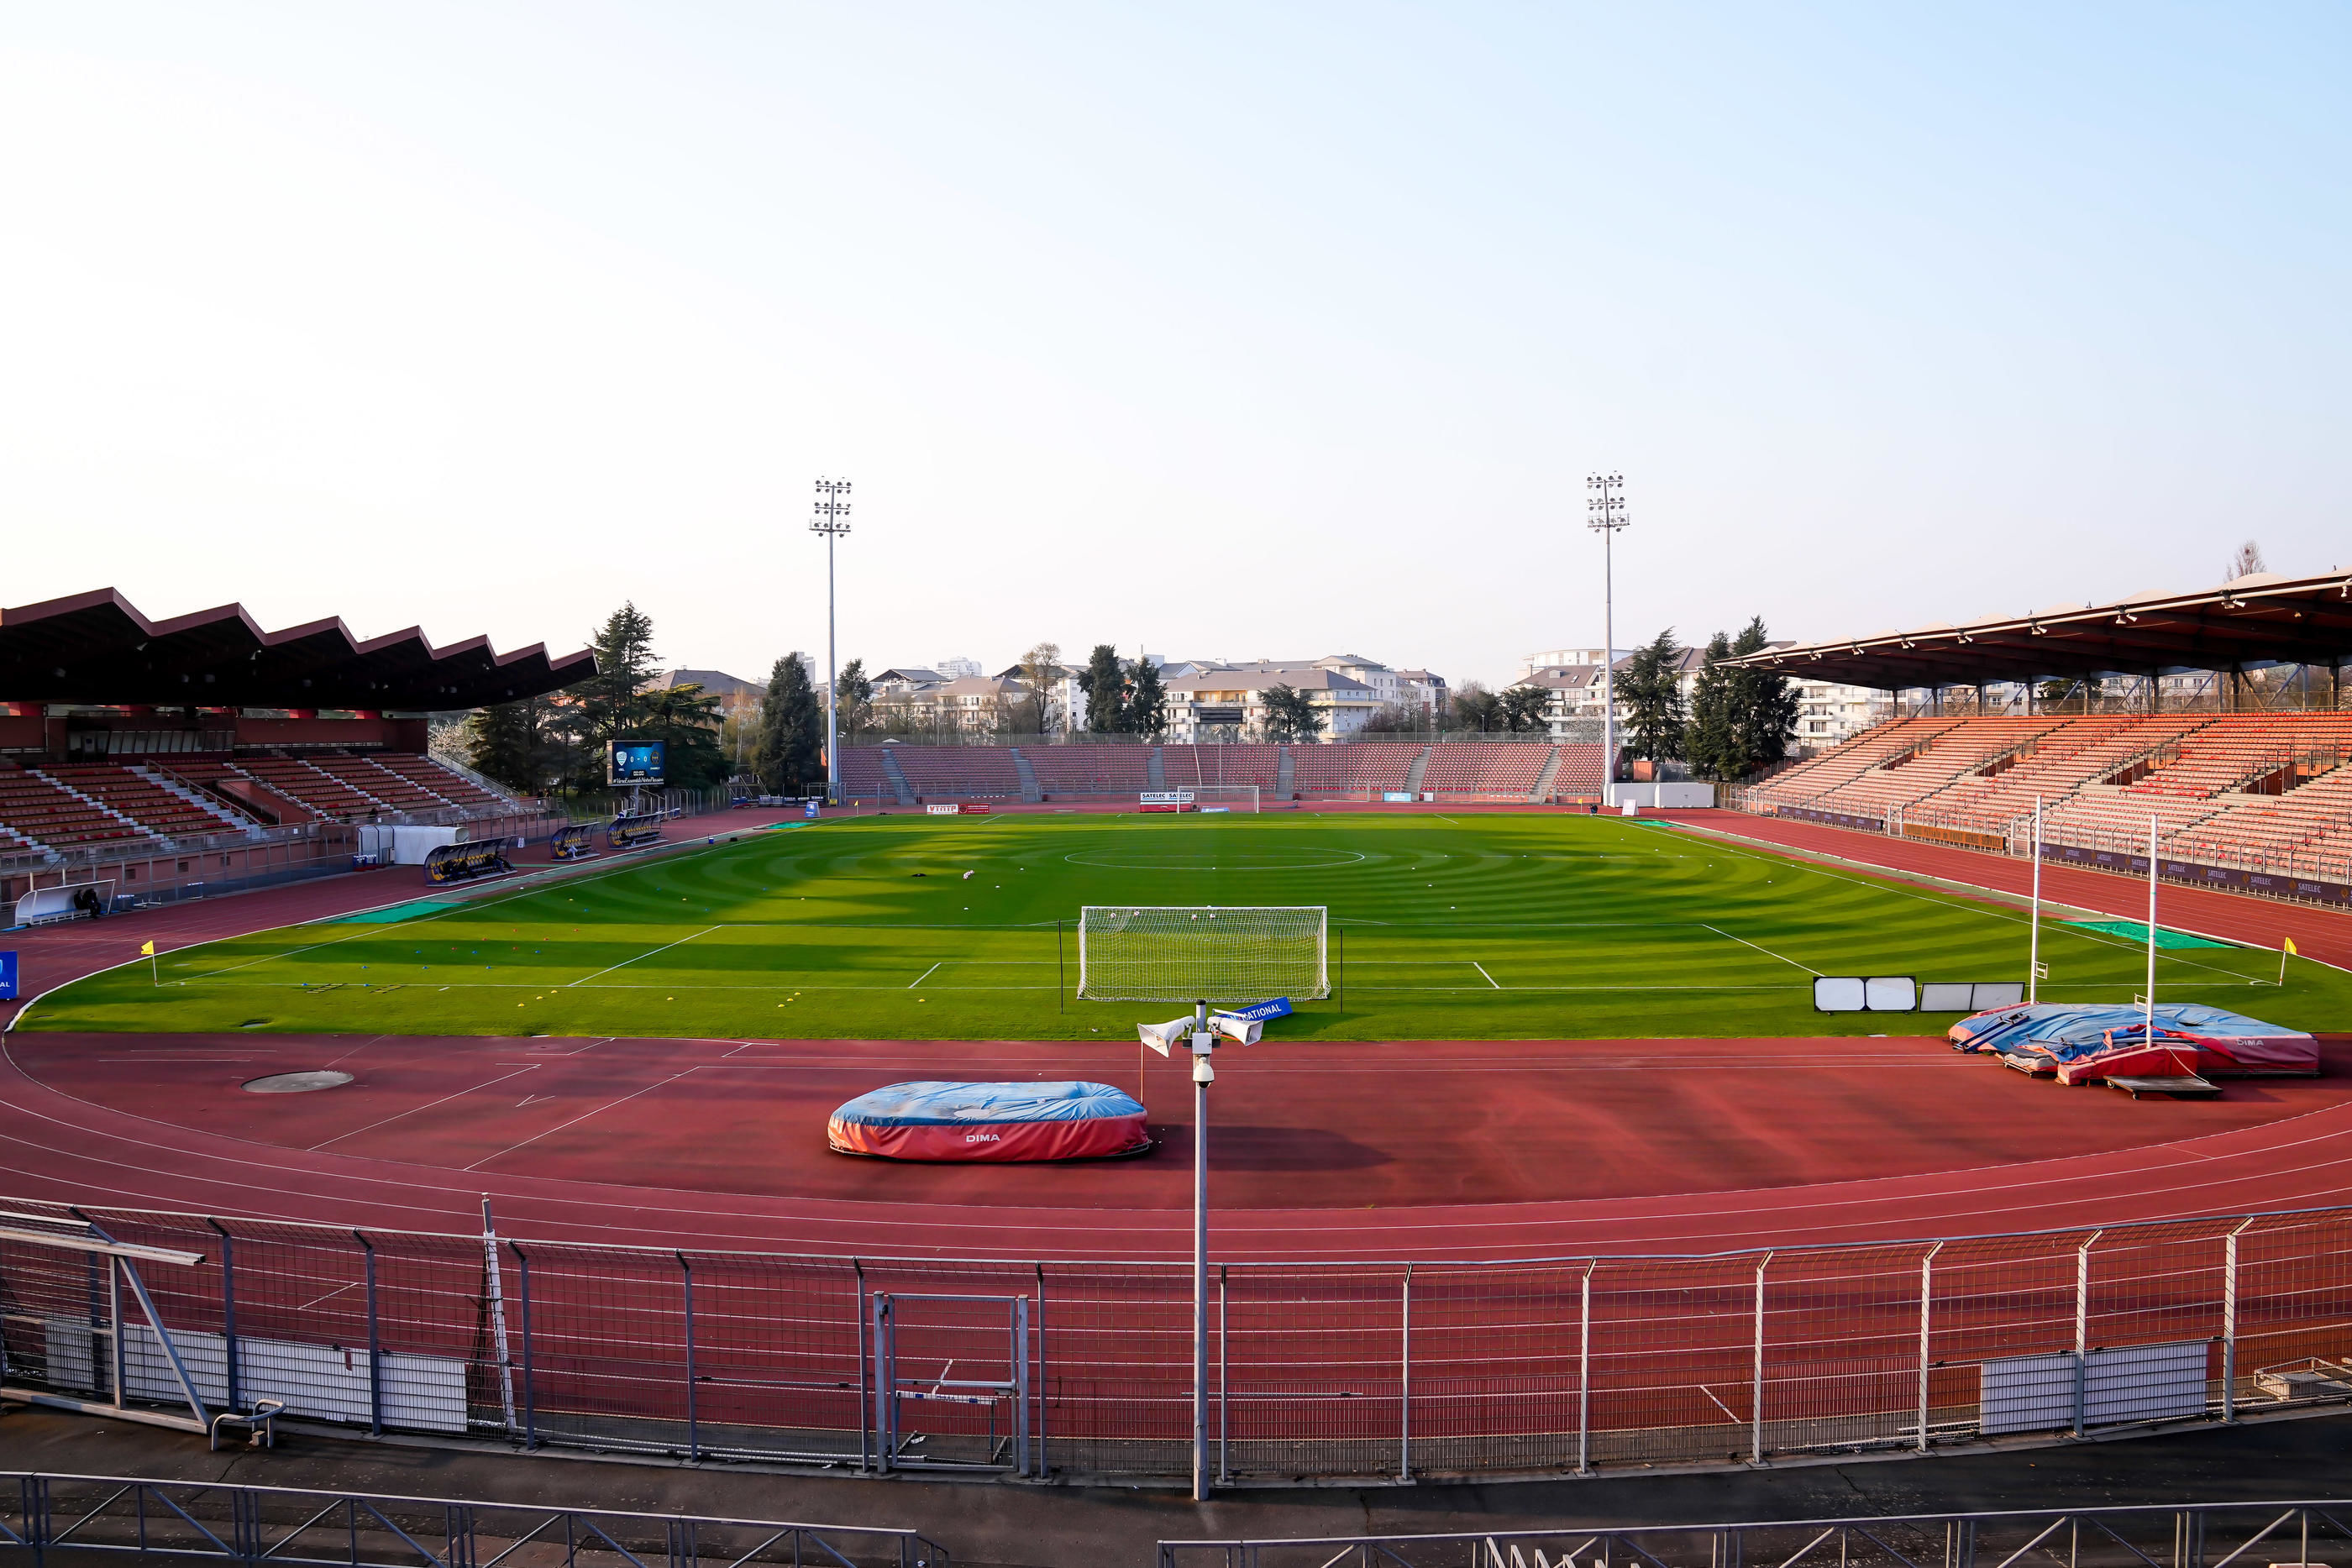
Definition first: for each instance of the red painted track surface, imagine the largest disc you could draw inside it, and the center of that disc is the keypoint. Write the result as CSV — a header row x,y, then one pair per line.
x,y
1457,1150
1461,1150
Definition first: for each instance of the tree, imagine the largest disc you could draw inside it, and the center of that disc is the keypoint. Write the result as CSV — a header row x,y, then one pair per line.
x,y
685,719
1711,745
1763,706
611,703
1521,708
1290,714
1476,708
514,744
2247,561
852,699
1652,693
1398,718
1041,671
1104,680
791,756
1146,712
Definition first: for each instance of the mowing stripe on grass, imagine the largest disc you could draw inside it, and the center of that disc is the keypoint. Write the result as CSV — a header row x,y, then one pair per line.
x,y
647,954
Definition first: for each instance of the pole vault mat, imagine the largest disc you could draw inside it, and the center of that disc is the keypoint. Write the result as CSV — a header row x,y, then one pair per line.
x,y
1430,1150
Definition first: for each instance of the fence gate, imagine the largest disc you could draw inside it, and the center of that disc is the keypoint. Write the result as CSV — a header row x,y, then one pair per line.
x,y
952,1382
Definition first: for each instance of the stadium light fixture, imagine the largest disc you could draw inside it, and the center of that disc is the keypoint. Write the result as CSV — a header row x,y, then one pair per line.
x,y
1608,516
831,520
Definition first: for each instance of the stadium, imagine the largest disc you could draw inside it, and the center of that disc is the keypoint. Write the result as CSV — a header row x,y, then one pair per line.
x,y
470,1120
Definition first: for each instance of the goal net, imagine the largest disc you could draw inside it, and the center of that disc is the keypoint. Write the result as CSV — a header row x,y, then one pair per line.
x,y
1176,953
1201,798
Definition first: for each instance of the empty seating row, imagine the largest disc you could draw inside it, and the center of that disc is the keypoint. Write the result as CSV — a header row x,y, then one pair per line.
x,y
140,797
1367,767
1190,765
1809,781
41,810
1084,770
981,771
1485,768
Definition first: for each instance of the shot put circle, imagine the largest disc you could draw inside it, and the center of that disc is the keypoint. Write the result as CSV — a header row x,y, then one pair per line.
x,y
1302,859
296,1083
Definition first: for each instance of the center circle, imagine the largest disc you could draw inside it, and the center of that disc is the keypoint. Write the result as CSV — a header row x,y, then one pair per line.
x,y
1302,859
297,1082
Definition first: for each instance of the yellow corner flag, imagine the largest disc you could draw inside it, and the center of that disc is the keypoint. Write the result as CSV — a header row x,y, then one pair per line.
x,y
2286,946
147,951
2290,945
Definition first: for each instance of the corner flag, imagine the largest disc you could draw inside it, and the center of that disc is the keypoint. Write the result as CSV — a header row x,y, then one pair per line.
x,y
147,951
2290,945
2286,946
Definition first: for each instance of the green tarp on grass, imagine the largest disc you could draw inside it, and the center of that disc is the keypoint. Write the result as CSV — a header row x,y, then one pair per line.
x,y
2136,931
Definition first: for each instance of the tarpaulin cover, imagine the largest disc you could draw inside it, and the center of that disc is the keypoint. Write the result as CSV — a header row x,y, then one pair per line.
x,y
2075,1036
934,1120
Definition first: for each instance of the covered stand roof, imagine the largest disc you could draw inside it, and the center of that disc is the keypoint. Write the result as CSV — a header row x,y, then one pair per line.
x,y
96,647
2265,619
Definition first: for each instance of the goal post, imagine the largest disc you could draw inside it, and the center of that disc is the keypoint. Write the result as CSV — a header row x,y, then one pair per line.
x,y
1200,798
1177,953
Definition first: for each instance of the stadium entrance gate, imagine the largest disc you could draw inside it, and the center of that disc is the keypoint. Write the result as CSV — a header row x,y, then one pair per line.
x,y
952,1382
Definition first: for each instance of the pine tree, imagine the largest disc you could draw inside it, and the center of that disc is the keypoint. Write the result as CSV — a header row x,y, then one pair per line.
x,y
1104,681
790,759
685,719
611,701
1763,707
852,699
502,743
1652,693
1290,714
1146,712
1711,745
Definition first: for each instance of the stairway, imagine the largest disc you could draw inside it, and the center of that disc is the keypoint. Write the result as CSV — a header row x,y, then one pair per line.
x,y
1542,790
898,780
1029,789
1285,781
1420,768
1154,772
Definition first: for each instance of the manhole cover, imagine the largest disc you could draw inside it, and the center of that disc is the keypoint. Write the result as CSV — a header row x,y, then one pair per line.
x,y
297,1082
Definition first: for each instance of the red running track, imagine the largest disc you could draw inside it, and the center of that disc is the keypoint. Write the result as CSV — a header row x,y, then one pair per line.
x,y
1460,1150
1319,1152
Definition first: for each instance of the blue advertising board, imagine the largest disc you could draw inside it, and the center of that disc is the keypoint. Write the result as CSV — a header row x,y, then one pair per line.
x,y
634,762
1277,1009
7,976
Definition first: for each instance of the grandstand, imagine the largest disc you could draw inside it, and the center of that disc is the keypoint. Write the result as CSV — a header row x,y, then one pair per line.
x,y
1360,770
2244,789
107,772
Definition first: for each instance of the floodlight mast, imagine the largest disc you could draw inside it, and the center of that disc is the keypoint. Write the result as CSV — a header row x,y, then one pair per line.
x,y
1608,510
831,520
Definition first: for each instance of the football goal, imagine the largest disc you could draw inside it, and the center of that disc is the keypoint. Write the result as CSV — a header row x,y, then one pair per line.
x,y
1201,798
1176,953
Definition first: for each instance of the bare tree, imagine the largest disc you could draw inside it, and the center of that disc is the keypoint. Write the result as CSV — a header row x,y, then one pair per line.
x,y
2246,562
1041,671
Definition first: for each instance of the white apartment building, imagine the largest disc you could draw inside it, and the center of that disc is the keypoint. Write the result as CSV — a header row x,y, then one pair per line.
x,y
1828,713
1228,698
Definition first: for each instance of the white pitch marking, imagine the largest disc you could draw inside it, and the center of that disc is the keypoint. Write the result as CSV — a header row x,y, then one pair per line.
x,y
626,962
1482,969
1768,952
924,975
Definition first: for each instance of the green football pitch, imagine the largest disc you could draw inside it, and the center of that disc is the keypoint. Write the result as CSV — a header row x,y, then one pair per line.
x,y
1485,926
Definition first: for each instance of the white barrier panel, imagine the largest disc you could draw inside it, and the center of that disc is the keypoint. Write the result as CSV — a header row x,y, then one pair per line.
x,y
1891,994
1945,997
1838,994
1997,994
1675,797
326,1383
2140,1383
411,845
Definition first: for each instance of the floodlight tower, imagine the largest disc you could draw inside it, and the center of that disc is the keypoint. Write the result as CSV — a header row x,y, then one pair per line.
x,y
1608,510
831,520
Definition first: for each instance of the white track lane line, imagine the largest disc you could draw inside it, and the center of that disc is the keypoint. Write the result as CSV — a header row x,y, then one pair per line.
x,y
461,1093
1768,952
584,1115
626,962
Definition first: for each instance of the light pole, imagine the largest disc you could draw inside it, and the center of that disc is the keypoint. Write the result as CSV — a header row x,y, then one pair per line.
x,y
1608,510
831,520
1204,1043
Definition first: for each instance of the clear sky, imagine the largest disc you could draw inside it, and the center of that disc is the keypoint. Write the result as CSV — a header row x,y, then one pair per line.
x,y
1220,330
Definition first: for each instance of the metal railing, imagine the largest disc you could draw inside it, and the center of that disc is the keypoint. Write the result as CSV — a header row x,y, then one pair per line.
x,y
2194,1535
1392,1371
81,1515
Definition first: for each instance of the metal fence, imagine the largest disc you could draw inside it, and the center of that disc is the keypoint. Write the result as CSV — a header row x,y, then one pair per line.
x,y
1369,1371
2193,1535
80,1517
